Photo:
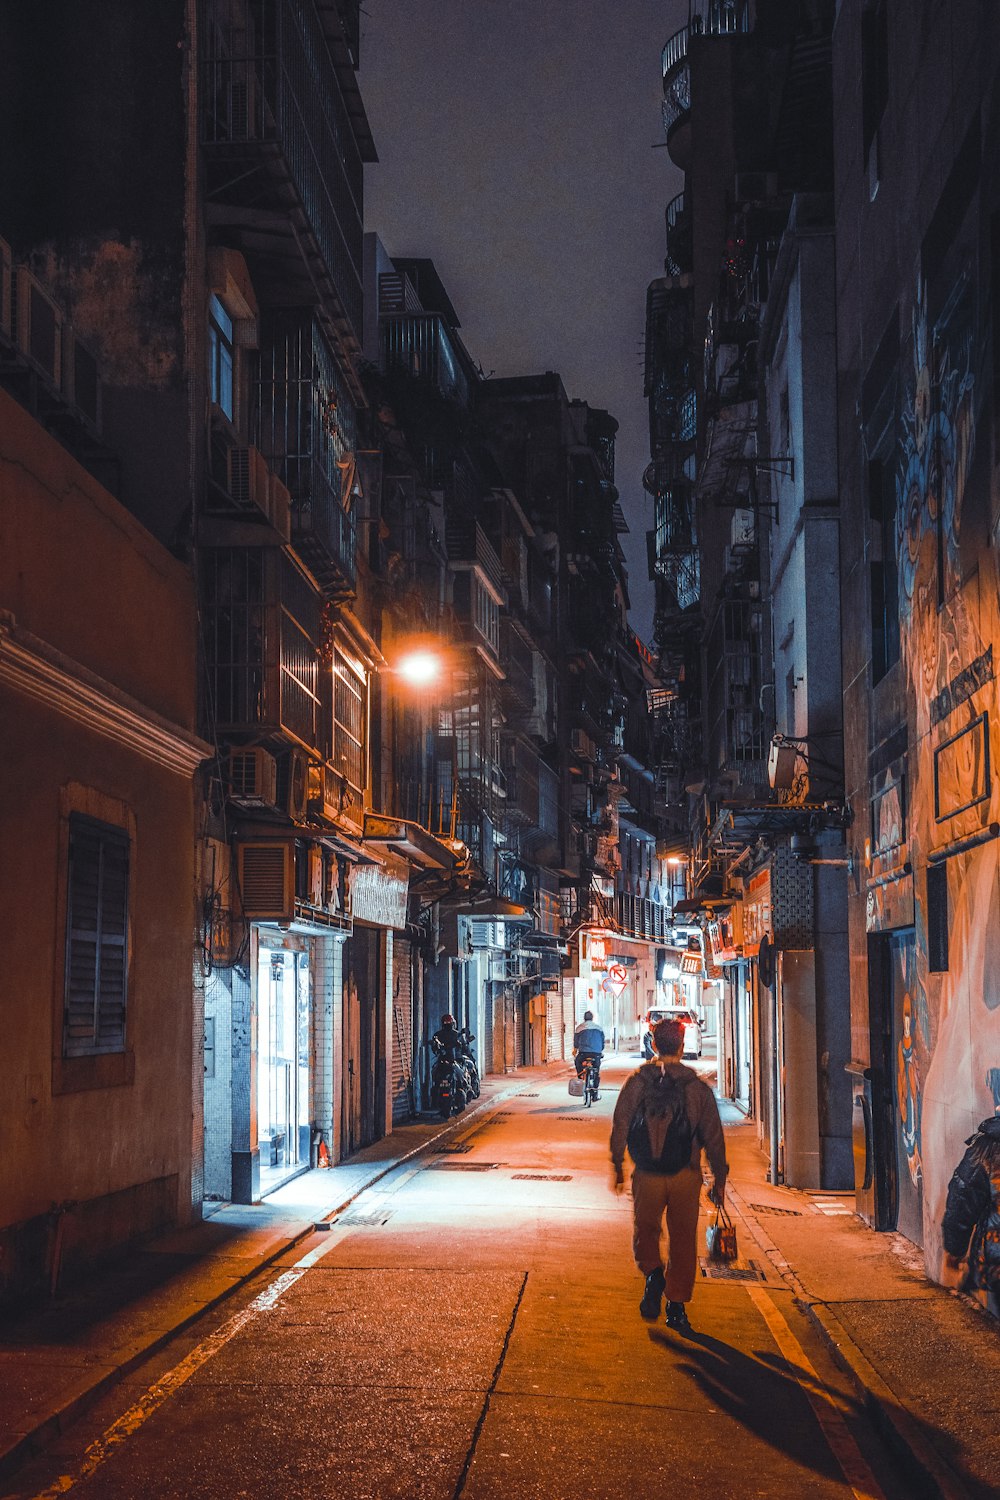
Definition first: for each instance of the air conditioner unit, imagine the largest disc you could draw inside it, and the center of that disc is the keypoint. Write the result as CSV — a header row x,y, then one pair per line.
x,y
240,102
324,796
266,871
6,282
37,325
248,479
81,382
743,532
298,785
581,744
781,765
253,777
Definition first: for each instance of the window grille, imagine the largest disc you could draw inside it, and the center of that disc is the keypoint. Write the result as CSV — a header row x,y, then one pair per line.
x,y
96,939
349,721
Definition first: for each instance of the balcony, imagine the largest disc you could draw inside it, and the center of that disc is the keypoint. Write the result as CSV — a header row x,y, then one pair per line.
x,y
261,623
707,18
680,245
306,431
283,154
517,691
419,344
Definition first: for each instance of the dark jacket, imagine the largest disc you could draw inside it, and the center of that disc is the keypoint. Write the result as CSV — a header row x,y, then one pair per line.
x,y
588,1037
702,1110
973,1207
449,1039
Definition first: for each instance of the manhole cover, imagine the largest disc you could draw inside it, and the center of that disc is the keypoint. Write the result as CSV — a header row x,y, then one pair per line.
x,y
543,1177
766,1208
717,1270
372,1220
456,1150
463,1166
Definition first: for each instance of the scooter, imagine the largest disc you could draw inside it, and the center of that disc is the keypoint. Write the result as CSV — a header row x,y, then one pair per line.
x,y
449,1083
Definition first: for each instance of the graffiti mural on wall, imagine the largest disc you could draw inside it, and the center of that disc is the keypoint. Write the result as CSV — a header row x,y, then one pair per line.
x,y
949,1022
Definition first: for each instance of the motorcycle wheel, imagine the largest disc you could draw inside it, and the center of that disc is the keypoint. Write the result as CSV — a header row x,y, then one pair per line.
x,y
460,1101
444,1109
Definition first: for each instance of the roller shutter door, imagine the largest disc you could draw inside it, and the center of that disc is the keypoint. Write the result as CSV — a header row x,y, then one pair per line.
x,y
554,1025
403,1083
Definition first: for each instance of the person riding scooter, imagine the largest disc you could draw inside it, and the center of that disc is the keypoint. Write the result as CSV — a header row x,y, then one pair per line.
x,y
449,1082
588,1045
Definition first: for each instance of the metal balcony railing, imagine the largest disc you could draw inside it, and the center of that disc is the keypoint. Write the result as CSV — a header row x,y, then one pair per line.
x,y
467,542
261,626
680,253
306,428
418,343
706,18
270,95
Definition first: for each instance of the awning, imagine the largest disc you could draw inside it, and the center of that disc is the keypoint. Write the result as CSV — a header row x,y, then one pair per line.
x,y
702,903
409,840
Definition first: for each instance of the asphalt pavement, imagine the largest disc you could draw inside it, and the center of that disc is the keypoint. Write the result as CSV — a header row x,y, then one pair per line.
x,y
465,1324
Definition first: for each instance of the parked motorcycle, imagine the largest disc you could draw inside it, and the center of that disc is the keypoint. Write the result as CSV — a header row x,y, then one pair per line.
x,y
469,1062
449,1082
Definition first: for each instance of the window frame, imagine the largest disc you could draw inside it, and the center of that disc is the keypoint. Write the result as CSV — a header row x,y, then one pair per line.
x,y
110,868
85,1070
222,342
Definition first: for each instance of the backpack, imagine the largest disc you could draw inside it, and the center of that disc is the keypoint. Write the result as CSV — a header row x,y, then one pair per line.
x,y
660,1137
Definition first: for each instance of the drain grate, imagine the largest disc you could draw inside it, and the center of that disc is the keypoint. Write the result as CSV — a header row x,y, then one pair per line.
x,y
463,1166
717,1270
456,1150
372,1220
529,1096
784,1213
502,1114
543,1177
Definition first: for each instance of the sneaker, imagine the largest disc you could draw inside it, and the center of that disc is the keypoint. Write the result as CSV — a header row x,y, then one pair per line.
x,y
649,1307
677,1317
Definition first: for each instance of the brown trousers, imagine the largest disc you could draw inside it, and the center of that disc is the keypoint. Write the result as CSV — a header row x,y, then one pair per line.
x,y
679,1196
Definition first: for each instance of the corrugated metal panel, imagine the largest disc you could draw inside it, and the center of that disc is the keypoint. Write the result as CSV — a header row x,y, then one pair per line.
x,y
554,1025
403,1084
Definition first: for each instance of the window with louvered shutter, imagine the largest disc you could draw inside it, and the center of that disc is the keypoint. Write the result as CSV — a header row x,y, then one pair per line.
x,y
96,939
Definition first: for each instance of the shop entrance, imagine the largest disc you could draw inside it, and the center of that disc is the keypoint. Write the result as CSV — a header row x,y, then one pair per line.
x,y
283,1115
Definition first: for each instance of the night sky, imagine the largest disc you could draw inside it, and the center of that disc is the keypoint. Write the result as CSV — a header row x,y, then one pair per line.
x,y
515,142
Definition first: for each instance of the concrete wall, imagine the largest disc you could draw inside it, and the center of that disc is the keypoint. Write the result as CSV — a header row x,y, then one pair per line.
x,y
914,269
85,589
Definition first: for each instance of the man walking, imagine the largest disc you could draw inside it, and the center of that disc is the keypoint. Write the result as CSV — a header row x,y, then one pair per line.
x,y
666,1116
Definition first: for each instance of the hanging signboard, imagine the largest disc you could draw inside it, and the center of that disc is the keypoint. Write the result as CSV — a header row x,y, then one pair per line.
x,y
597,951
725,934
756,911
379,895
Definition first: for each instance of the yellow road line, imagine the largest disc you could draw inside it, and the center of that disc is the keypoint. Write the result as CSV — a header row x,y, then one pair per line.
x,y
829,1413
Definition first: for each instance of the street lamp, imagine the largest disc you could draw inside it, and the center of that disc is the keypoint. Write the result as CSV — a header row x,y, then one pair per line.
x,y
420,667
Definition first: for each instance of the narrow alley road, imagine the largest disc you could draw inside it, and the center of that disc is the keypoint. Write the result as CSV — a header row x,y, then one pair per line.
x,y
470,1328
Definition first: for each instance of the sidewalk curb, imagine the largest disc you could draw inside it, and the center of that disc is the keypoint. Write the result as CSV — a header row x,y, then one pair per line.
x,y
893,1419
29,1444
